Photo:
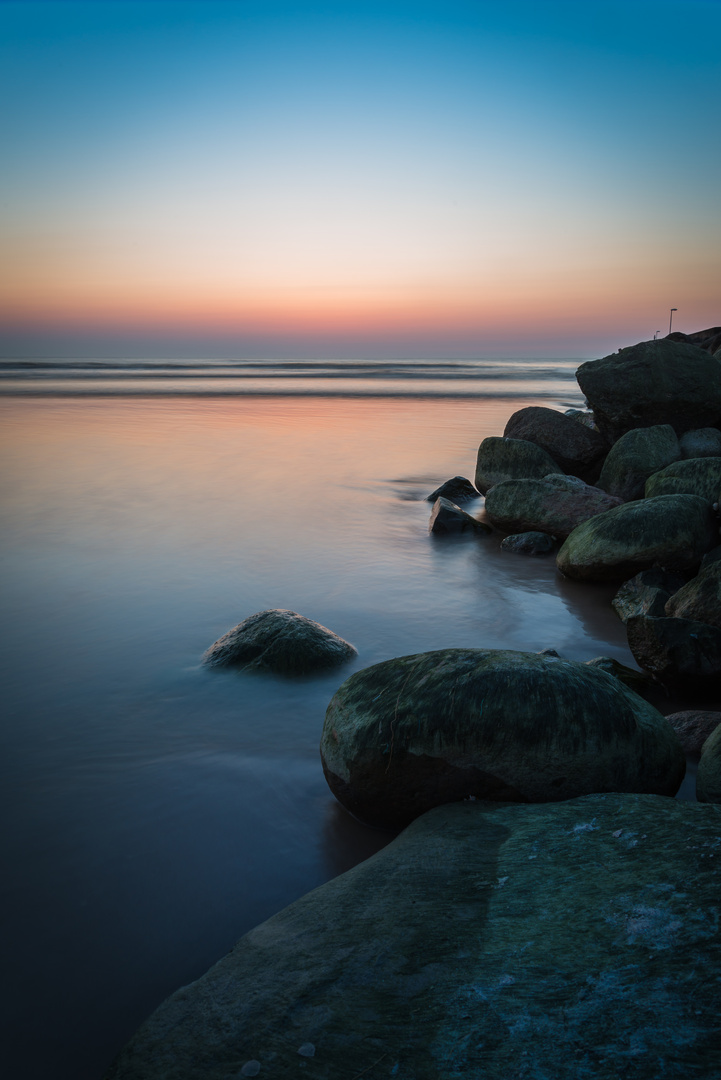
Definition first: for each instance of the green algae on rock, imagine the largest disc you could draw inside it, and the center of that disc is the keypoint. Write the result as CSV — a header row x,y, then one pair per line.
x,y
691,476
555,504
634,457
408,734
280,641
510,459
562,941
670,531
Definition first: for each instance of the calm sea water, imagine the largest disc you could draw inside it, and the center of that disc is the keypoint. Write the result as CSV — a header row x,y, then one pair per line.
x,y
154,811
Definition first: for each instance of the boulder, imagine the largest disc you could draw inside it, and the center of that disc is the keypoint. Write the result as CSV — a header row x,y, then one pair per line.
x,y
708,777
279,641
708,340
582,416
446,518
671,531
636,456
570,941
556,504
510,459
458,490
700,598
577,449
529,543
692,476
711,556
646,594
637,680
701,442
693,728
410,733
682,655
654,382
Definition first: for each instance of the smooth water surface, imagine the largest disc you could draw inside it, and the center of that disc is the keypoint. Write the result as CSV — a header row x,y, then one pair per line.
x,y
155,810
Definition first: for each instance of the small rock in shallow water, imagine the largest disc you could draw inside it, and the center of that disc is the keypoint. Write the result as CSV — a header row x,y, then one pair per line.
x,y
280,641
458,490
446,517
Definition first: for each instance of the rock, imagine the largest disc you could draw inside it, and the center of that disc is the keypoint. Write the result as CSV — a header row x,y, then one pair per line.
x,y
711,556
556,504
407,734
708,777
636,680
692,476
446,517
582,416
682,655
646,594
661,382
458,490
670,531
503,942
708,340
636,456
279,641
701,442
529,543
700,598
693,728
510,459
577,449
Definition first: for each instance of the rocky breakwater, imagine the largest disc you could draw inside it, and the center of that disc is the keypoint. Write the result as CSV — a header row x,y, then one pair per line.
x,y
417,731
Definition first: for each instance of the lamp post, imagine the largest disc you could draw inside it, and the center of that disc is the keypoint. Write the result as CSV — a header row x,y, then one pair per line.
x,y
671,318
656,334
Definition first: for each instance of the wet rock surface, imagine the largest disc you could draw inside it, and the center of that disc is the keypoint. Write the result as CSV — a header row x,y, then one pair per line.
x,y
681,654
700,598
568,940
510,459
637,680
637,455
408,734
446,518
556,504
577,449
457,489
529,543
693,727
280,641
646,594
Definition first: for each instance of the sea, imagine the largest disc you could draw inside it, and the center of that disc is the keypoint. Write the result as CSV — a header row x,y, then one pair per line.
x,y
155,810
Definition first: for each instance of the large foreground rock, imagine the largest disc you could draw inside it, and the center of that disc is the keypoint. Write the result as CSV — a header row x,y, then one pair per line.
x,y
654,382
681,654
573,940
693,476
637,455
405,735
510,459
577,448
279,641
557,504
670,531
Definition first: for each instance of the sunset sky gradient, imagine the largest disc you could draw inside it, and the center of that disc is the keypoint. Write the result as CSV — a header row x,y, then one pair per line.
x,y
426,179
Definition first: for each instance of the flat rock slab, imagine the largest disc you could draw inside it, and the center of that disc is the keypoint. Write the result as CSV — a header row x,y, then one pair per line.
x,y
553,942
280,641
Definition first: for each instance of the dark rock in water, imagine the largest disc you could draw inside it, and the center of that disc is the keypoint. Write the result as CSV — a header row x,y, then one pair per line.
x,y
573,941
708,777
700,598
661,382
636,680
557,504
636,456
701,442
529,543
405,735
446,517
671,531
510,459
693,728
646,594
279,641
576,448
692,476
458,490
681,654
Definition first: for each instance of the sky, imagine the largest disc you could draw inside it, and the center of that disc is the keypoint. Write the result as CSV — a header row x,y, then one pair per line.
x,y
357,179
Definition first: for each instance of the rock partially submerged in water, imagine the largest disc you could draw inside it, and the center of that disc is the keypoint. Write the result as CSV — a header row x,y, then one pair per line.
x,y
408,734
670,531
457,489
646,594
529,543
681,654
577,449
556,504
570,940
279,641
637,455
510,459
446,517
693,727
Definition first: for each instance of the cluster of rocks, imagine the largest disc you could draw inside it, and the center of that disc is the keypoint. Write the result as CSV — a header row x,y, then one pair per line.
x,y
629,487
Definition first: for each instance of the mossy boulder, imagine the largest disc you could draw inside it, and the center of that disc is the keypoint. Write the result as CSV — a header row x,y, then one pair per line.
x,y
558,942
408,734
556,504
654,382
457,489
708,777
279,641
510,459
700,598
646,594
577,449
636,456
681,654
692,476
670,531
